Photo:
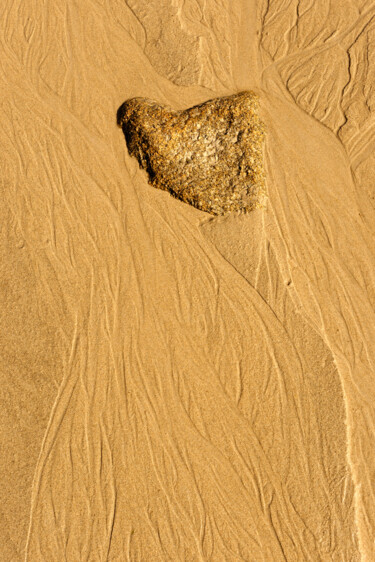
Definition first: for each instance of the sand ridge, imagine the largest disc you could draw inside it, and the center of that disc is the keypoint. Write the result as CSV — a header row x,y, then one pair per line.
x,y
178,386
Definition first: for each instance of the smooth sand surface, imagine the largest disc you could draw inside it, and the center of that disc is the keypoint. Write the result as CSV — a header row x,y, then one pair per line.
x,y
175,386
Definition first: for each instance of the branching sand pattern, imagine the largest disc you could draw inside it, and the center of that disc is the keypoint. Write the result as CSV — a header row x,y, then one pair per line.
x,y
209,155
177,389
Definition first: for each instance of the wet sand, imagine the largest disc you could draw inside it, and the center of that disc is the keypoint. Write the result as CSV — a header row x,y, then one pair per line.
x,y
177,386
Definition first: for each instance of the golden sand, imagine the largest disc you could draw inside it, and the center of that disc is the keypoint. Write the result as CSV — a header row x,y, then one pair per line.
x,y
174,385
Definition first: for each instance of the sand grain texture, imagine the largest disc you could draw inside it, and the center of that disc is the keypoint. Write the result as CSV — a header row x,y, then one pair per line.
x,y
177,386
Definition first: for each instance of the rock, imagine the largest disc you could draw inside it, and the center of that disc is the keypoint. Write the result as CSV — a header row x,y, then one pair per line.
x,y
209,156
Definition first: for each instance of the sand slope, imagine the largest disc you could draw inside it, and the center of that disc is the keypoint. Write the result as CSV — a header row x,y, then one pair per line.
x,y
177,387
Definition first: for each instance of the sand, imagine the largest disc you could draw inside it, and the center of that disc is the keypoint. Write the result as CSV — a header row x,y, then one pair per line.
x,y
177,386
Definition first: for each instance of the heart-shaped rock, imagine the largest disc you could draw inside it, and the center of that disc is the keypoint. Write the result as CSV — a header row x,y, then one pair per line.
x,y
209,155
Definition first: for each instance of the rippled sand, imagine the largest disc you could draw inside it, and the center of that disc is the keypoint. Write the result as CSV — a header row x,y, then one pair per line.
x,y
177,386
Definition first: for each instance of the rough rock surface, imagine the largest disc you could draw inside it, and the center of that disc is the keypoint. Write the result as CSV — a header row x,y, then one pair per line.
x,y
209,155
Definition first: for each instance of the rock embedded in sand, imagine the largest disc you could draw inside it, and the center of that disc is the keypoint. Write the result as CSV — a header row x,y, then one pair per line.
x,y
209,155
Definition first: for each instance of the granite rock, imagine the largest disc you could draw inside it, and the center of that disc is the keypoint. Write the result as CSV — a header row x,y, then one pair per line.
x,y
210,155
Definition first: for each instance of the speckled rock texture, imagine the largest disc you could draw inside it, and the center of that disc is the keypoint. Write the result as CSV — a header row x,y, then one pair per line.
x,y
209,156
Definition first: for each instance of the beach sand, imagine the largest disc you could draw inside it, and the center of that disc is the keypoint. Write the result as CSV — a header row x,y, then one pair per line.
x,y
178,386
